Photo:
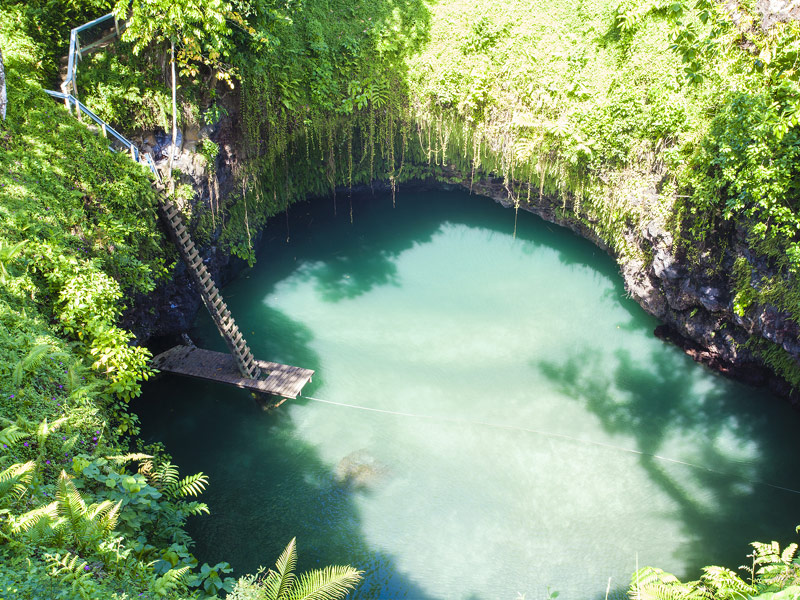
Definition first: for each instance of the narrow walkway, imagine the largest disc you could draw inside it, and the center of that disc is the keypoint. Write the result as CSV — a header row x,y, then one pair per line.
x,y
240,367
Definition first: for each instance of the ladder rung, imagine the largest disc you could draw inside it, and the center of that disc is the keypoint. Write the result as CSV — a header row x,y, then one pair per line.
x,y
189,247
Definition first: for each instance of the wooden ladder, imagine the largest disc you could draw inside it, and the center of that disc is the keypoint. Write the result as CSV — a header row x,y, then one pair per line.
x,y
209,292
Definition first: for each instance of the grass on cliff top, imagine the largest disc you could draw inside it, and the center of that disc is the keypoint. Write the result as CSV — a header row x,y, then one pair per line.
x,y
553,70
596,101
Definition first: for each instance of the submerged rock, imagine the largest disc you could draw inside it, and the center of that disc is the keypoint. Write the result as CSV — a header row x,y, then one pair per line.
x,y
359,469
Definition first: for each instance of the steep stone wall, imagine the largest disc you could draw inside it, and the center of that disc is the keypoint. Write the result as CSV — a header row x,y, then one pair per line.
x,y
693,299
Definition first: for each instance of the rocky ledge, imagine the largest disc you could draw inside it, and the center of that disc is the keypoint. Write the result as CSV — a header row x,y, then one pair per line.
x,y
693,299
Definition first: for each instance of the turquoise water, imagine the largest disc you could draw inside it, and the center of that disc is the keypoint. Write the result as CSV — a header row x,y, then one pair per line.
x,y
525,431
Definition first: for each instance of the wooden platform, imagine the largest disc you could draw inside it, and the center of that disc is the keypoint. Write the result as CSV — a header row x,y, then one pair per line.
x,y
283,380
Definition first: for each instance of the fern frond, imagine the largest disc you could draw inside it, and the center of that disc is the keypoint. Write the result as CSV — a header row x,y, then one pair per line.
x,y
193,485
726,583
15,479
280,583
30,361
650,583
11,435
109,520
766,553
146,469
330,583
26,522
122,459
171,580
71,504
788,553
70,563
44,428
104,515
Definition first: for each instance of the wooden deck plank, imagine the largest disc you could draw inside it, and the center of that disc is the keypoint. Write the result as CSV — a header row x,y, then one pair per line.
x,y
283,380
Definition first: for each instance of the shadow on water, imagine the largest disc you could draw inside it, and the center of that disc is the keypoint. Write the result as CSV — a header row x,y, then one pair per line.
x,y
258,468
729,433
364,258
259,471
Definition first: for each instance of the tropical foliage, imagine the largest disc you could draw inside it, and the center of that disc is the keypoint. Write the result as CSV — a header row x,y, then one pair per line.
x,y
581,106
773,574
281,583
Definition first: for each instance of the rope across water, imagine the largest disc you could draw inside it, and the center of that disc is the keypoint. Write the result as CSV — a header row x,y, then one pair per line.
x,y
550,435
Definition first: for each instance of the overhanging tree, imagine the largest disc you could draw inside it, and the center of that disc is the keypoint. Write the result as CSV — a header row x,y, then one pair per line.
x,y
197,32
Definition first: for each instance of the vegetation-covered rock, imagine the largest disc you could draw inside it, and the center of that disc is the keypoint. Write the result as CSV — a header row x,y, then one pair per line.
x,y
667,132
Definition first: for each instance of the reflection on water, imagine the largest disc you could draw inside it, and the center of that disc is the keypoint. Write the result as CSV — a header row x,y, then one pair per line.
x,y
525,430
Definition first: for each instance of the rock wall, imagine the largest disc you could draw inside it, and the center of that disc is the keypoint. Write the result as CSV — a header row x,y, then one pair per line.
x,y
172,307
694,300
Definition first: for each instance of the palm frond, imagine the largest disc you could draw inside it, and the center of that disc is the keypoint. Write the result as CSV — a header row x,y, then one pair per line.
x,y
193,485
330,583
279,583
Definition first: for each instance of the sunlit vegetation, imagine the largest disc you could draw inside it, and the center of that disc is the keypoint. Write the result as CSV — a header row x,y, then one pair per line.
x,y
580,105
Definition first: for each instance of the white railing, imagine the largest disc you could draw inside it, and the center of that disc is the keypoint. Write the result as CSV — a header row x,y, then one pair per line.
x,y
69,92
76,52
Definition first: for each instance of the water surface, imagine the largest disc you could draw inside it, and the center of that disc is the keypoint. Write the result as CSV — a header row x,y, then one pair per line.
x,y
490,417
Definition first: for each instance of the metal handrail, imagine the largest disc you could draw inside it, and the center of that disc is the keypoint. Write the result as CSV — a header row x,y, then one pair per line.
x,y
71,100
75,51
132,149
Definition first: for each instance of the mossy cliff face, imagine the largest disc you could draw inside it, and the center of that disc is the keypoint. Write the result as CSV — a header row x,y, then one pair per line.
x,y
597,127
694,297
170,309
